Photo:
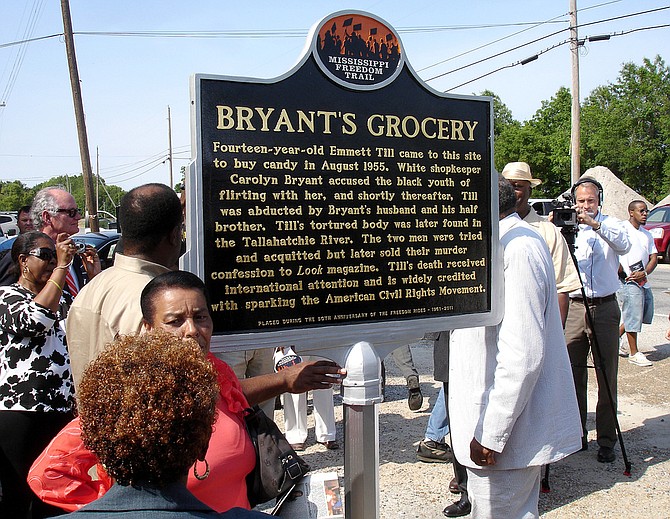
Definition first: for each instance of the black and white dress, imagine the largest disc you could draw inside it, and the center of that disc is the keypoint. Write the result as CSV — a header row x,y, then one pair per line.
x,y
35,370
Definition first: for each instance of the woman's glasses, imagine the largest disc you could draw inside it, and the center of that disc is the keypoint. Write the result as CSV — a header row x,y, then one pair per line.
x,y
43,253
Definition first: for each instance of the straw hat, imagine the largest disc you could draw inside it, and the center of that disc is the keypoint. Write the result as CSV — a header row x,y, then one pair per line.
x,y
520,171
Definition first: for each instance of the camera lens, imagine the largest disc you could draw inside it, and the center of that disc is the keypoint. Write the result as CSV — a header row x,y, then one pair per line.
x,y
81,247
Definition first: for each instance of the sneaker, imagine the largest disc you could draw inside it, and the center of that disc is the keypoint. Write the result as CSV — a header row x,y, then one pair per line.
x,y
639,359
434,452
623,346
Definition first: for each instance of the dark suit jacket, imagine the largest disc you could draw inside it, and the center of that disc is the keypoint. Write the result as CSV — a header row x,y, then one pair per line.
x,y
441,356
171,501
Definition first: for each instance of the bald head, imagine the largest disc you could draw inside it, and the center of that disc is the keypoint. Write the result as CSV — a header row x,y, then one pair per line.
x,y
149,216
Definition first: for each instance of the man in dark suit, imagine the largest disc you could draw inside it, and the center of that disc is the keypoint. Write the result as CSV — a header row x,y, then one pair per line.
x,y
54,211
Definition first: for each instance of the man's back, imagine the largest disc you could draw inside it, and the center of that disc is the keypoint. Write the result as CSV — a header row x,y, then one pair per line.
x,y
508,382
107,306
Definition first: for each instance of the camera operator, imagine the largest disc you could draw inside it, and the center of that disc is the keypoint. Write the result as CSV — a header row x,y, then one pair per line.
x,y
599,242
567,278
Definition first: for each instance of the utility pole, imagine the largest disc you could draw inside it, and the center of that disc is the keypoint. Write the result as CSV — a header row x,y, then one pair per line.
x,y
170,146
97,177
575,135
86,172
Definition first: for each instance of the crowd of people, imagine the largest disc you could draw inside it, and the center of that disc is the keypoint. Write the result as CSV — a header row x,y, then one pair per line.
x,y
498,397
104,373
44,361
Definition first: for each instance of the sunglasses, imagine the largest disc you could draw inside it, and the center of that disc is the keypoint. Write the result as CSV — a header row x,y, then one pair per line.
x,y
70,212
43,253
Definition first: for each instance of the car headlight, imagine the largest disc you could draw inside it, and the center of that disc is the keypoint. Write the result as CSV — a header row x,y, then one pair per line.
x,y
657,232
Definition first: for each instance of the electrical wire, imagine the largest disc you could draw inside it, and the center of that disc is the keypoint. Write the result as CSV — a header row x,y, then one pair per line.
x,y
537,40
522,62
38,7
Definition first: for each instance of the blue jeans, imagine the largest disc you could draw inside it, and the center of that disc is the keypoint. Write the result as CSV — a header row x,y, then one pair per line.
x,y
438,423
637,306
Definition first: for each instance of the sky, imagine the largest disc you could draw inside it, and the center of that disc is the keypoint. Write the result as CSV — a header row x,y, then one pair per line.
x,y
128,82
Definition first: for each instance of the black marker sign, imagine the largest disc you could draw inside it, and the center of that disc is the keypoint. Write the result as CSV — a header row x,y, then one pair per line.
x,y
346,192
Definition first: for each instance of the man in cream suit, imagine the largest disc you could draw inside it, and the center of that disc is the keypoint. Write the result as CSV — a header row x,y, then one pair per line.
x,y
511,404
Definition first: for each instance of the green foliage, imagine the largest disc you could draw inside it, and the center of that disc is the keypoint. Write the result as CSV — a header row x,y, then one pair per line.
x,y
625,126
14,194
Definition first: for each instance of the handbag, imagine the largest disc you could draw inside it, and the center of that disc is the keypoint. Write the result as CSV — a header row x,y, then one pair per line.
x,y
278,467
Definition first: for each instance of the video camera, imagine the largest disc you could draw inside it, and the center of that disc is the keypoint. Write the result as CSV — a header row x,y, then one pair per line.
x,y
565,218
564,213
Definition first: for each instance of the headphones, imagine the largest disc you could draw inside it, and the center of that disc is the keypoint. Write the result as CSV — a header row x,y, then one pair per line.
x,y
588,180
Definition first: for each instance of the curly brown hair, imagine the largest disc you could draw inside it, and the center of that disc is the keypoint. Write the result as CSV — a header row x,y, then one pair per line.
x,y
147,405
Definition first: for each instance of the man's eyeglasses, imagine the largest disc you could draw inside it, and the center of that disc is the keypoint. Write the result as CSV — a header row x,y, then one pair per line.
x,y
43,253
70,212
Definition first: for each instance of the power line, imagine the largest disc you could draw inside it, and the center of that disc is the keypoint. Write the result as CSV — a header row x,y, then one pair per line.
x,y
38,6
535,56
539,39
533,25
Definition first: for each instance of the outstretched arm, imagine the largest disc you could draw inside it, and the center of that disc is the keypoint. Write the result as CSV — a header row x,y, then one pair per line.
x,y
302,377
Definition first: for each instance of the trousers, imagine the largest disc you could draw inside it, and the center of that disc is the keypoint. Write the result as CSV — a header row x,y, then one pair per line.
x,y
295,416
250,363
512,494
579,337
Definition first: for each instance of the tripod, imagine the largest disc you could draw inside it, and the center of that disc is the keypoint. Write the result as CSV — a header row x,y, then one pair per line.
x,y
569,233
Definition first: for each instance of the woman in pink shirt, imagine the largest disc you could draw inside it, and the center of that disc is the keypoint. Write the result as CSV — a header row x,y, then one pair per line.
x,y
176,302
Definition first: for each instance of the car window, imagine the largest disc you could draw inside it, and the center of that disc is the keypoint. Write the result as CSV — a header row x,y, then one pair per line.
x,y
658,215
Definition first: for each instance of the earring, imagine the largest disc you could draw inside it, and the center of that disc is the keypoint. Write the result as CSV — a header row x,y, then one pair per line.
x,y
200,477
25,269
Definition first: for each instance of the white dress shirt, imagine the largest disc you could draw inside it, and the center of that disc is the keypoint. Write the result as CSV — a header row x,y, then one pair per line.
x,y
597,254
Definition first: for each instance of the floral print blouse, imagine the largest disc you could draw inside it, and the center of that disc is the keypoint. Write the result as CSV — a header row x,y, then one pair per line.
x,y
35,372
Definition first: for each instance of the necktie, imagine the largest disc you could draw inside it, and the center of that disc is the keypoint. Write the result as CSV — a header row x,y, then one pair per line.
x,y
71,285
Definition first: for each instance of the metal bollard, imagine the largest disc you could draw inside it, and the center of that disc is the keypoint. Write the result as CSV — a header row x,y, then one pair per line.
x,y
362,391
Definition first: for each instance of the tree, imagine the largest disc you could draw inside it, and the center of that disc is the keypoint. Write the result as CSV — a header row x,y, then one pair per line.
x,y
543,142
108,196
547,146
505,132
14,195
626,127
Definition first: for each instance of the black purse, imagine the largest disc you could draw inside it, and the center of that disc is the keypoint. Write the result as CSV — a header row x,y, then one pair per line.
x,y
278,467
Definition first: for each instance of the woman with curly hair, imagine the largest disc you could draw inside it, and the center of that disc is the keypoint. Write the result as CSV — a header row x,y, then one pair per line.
x,y
36,388
147,406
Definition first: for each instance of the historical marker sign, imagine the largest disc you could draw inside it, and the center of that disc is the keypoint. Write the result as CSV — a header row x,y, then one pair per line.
x,y
346,195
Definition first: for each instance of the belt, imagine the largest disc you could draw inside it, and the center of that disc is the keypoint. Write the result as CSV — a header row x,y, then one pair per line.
x,y
596,300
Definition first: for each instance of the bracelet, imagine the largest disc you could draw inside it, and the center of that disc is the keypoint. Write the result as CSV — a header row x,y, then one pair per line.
x,y
64,267
52,281
599,226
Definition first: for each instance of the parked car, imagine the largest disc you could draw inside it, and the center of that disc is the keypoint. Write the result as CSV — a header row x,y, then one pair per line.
x,y
658,224
105,243
8,224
